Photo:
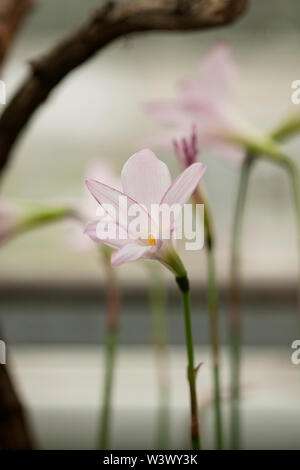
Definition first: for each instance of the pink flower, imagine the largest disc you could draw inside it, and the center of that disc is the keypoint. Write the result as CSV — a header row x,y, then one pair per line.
x,y
207,103
187,148
146,182
87,207
103,171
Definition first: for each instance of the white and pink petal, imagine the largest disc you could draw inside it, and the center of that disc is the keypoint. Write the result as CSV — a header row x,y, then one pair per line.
x,y
109,233
184,185
130,252
145,178
115,203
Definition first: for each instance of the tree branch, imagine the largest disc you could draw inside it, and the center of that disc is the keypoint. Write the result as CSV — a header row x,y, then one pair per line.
x,y
108,23
14,432
12,14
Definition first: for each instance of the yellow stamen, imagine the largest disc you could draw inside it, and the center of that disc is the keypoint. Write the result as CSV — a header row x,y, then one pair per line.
x,y
151,240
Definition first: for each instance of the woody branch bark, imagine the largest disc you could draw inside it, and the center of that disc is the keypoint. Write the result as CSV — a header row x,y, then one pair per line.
x,y
14,433
12,14
111,21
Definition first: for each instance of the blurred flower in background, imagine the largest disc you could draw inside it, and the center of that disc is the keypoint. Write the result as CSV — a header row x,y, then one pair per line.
x,y
208,104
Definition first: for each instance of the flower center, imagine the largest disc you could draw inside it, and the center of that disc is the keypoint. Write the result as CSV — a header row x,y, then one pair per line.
x,y
151,240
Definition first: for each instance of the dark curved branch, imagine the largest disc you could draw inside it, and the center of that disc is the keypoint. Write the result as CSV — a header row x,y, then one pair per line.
x,y
12,14
108,23
14,431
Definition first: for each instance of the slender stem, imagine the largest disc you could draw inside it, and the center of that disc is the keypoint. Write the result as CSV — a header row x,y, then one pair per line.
x,y
295,183
293,174
212,297
287,128
110,353
183,284
295,186
266,149
214,331
287,163
35,217
235,323
158,299
111,342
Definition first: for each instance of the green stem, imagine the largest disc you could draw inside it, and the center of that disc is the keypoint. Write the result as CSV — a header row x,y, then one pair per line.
x,y
295,186
293,174
110,351
111,342
295,183
183,285
35,217
286,163
212,297
287,128
235,304
46,215
214,329
268,149
158,299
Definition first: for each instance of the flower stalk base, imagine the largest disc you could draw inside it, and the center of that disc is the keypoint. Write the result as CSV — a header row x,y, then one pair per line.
x,y
183,284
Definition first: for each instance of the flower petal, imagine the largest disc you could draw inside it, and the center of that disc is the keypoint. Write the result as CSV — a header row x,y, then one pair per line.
x,y
94,230
184,185
216,79
218,71
145,178
168,113
116,203
129,252
210,97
